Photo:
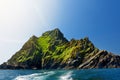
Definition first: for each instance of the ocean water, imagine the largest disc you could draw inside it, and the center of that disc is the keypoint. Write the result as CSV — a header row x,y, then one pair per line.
x,y
90,74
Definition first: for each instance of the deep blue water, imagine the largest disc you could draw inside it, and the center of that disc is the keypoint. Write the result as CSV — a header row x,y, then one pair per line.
x,y
91,74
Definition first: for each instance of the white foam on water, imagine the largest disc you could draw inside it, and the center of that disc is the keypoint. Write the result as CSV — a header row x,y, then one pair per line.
x,y
66,76
35,76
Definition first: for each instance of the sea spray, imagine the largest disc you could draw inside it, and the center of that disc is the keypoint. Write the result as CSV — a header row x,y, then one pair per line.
x,y
66,76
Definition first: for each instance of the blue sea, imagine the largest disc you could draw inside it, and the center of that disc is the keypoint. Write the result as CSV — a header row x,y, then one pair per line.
x,y
90,74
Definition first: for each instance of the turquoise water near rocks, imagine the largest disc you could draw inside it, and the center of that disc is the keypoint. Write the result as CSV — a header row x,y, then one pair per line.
x,y
90,74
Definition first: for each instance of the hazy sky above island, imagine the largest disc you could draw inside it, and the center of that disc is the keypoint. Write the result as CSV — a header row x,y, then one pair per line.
x,y
97,19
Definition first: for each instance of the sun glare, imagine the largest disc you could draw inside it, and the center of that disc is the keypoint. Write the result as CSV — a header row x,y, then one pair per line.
x,y
20,19
16,16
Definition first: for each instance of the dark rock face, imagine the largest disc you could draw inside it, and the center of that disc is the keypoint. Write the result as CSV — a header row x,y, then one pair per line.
x,y
53,51
102,59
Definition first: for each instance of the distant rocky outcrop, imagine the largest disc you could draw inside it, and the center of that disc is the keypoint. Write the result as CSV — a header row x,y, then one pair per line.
x,y
53,51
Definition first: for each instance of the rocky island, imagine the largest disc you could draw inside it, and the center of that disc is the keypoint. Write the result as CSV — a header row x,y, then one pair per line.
x,y
53,51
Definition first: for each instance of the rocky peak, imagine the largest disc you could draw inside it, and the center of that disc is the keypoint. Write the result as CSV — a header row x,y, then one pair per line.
x,y
30,43
33,37
55,34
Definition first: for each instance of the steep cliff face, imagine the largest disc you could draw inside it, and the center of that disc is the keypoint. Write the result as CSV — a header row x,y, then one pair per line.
x,y
53,51
102,59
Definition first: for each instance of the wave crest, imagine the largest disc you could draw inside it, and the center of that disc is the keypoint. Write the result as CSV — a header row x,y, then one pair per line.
x,y
35,76
67,76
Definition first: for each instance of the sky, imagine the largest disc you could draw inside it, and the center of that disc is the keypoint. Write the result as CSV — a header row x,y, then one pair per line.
x,y
97,19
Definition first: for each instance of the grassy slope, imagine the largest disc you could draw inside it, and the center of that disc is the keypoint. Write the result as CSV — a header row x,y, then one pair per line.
x,y
52,46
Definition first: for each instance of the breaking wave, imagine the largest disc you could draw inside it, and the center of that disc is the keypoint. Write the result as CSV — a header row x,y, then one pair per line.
x,y
49,75
35,76
67,76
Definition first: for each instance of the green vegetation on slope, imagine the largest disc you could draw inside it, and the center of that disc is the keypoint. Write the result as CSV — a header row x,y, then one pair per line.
x,y
52,50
